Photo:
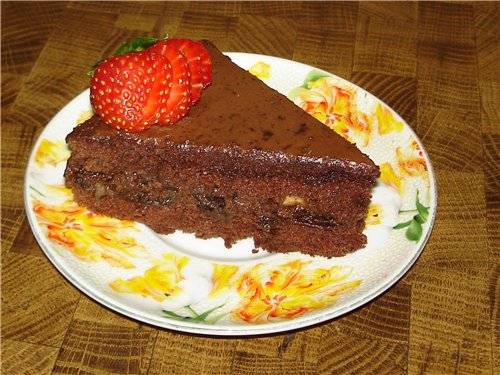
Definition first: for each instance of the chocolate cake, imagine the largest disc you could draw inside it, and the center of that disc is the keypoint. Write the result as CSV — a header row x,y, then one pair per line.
x,y
245,162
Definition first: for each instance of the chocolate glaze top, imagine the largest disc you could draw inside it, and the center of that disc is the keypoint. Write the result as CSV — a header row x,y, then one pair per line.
x,y
239,113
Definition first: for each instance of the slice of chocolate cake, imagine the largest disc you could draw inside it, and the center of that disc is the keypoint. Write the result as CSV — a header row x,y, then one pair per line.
x,y
245,162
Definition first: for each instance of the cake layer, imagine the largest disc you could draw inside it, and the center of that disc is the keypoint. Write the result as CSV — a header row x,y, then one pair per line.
x,y
236,209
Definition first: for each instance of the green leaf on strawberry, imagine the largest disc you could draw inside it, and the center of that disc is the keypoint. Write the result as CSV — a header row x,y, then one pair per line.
x,y
140,43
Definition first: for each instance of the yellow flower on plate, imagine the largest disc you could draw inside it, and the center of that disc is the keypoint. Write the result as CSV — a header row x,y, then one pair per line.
x,y
373,216
89,236
325,96
160,281
411,160
51,152
84,116
261,70
356,128
334,105
389,177
386,121
221,277
275,292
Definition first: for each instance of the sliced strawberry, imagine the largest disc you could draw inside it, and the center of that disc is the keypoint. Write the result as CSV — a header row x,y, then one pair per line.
x,y
206,64
127,91
179,101
190,50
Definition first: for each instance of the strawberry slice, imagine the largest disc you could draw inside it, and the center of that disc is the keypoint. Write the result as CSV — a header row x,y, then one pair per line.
x,y
206,64
127,91
190,51
179,101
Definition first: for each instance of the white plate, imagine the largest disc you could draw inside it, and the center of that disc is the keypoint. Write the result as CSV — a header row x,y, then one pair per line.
x,y
191,285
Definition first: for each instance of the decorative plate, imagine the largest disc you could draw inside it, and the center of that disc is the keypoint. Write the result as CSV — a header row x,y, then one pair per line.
x,y
187,284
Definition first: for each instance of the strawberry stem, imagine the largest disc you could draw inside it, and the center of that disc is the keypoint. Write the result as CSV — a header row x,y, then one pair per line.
x,y
140,43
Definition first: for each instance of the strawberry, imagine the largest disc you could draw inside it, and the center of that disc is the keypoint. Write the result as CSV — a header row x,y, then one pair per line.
x,y
156,81
189,49
179,101
127,91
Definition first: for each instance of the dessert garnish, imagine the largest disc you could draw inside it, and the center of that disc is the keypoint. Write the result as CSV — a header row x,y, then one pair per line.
x,y
149,81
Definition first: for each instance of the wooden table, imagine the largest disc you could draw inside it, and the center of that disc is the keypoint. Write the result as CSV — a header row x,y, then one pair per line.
x,y
435,63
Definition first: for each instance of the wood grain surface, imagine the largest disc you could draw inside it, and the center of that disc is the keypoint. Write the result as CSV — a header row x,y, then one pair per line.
x,y
436,63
